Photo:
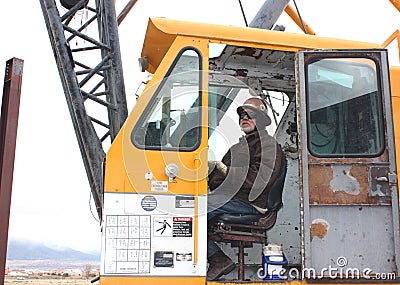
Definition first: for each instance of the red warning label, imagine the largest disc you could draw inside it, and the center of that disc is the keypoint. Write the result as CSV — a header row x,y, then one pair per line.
x,y
182,227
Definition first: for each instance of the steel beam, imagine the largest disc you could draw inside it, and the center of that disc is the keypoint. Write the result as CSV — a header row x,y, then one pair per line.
x,y
125,11
292,13
89,144
8,137
102,85
396,4
114,80
268,14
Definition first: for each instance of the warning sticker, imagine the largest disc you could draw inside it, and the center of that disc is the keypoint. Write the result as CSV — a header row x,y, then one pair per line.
x,y
164,259
182,227
163,226
159,186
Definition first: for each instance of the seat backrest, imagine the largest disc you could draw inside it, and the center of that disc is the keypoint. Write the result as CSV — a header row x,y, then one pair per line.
x,y
274,194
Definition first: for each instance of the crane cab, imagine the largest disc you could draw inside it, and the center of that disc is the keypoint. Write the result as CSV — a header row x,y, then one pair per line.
x,y
330,104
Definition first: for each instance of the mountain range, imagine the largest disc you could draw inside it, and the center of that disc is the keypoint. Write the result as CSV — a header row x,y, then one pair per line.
x,y
27,250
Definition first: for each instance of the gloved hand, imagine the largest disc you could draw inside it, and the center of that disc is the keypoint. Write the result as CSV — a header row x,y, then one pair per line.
x,y
218,166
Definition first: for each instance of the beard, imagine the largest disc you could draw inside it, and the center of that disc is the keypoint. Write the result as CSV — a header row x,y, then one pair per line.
x,y
247,128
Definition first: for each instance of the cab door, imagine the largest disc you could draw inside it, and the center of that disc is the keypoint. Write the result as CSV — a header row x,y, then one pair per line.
x,y
349,180
155,188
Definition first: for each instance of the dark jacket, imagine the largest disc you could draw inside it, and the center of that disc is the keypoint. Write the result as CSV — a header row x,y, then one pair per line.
x,y
253,165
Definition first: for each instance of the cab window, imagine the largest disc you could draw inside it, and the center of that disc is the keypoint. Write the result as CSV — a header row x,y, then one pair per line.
x,y
172,119
344,108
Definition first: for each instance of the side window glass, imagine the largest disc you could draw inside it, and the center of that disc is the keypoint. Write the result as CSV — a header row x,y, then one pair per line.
x,y
172,119
344,107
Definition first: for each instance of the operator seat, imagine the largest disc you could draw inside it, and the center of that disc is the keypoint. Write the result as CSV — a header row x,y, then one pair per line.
x,y
243,230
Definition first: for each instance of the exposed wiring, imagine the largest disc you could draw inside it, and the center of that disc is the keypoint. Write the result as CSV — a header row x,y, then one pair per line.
x,y
301,20
244,15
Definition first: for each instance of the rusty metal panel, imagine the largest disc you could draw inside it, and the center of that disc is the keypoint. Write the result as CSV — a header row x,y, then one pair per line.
x,y
361,235
346,184
8,135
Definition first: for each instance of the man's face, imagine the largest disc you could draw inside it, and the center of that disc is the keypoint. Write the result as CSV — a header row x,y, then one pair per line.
x,y
247,121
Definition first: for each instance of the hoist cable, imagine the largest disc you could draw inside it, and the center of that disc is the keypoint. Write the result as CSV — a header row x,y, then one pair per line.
x,y
244,16
301,20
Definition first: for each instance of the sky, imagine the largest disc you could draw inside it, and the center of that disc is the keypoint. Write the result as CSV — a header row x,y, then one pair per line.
x,y
50,199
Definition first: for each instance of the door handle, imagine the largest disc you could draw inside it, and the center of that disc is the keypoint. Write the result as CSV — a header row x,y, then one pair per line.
x,y
391,178
382,179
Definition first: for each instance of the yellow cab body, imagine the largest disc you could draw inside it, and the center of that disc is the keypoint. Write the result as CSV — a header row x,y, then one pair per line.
x,y
335,102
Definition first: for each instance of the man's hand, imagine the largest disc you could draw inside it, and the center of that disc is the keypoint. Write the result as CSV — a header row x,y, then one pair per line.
x,y
217,172
218,166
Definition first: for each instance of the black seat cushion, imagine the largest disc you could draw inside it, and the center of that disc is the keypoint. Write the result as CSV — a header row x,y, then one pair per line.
x,y
239,218
256,221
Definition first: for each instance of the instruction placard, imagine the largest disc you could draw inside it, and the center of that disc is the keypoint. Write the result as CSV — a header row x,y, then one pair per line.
x,y
127,244
184,256
164,259
159,186
184,202
182,227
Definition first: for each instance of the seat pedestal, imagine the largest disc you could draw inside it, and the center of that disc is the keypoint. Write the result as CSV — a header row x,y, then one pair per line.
x,y
242,231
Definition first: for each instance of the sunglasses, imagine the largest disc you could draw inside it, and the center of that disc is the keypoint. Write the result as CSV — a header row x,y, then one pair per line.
x,y
249,115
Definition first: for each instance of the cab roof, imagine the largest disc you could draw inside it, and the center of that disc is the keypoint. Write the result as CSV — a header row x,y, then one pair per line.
x,y
162,32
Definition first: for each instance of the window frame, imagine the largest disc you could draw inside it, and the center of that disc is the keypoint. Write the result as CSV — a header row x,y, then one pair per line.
x,y
153,101
381,128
